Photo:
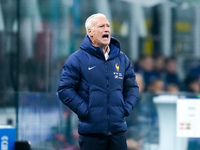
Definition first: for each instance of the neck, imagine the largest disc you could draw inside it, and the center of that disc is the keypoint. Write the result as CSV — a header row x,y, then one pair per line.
x,y
105,49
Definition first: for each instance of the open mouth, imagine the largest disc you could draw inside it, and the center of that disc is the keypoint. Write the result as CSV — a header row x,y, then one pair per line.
x,y
105,36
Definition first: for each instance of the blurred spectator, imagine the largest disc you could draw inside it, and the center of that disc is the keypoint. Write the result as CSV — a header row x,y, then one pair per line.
x,y
171,76
147,69
138,65
156,86
159,65
140,82
192,84
144,63
172,88
195,71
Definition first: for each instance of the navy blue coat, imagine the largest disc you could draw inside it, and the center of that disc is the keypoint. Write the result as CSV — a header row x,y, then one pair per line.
x,y
102,93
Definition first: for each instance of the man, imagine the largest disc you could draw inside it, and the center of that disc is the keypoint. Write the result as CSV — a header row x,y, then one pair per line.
x,y
98,84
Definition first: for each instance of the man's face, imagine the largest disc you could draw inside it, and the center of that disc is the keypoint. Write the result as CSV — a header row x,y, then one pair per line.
x,y
100,33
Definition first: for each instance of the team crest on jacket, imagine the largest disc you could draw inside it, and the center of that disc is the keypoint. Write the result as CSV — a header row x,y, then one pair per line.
x,y
117,67
117,74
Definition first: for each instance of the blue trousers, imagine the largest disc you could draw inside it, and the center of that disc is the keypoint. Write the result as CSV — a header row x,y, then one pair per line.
x,y
100,142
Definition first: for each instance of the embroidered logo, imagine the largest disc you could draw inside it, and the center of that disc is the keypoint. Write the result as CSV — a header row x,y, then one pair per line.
x,y
90,68
117,74
117,67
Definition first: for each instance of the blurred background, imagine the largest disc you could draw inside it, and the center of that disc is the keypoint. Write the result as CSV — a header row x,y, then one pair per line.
x,y
161,38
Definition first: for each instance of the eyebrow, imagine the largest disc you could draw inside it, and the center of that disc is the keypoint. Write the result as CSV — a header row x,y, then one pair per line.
x,y
107,24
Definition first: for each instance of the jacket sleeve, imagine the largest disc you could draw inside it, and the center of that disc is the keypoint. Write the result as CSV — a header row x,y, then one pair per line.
x,y
131,89
68,86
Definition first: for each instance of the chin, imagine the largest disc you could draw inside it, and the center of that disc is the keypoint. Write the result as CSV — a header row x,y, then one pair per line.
x,y
106,43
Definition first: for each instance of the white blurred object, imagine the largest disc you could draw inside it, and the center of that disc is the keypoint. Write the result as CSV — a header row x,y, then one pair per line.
x,y
1,20
166,108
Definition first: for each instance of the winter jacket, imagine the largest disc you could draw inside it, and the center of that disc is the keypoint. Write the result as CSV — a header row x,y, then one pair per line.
x,y
102,93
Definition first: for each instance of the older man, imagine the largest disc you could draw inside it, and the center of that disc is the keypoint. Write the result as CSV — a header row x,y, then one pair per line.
x,y
98,84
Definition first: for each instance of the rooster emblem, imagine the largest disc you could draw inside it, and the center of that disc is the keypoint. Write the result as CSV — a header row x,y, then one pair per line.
x,y
117,67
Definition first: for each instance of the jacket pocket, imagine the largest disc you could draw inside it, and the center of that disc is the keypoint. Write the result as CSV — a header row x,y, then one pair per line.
x,y
120,101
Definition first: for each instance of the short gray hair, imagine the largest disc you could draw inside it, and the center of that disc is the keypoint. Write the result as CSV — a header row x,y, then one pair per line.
x,y
88,22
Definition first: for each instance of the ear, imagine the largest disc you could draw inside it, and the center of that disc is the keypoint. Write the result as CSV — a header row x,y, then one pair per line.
x,y
90,32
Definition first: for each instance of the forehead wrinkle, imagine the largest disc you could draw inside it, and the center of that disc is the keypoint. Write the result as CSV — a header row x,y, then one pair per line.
x,y
103,24
99,23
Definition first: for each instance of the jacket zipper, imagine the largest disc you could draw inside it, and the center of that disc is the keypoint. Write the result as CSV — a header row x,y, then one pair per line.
x,y
108,110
